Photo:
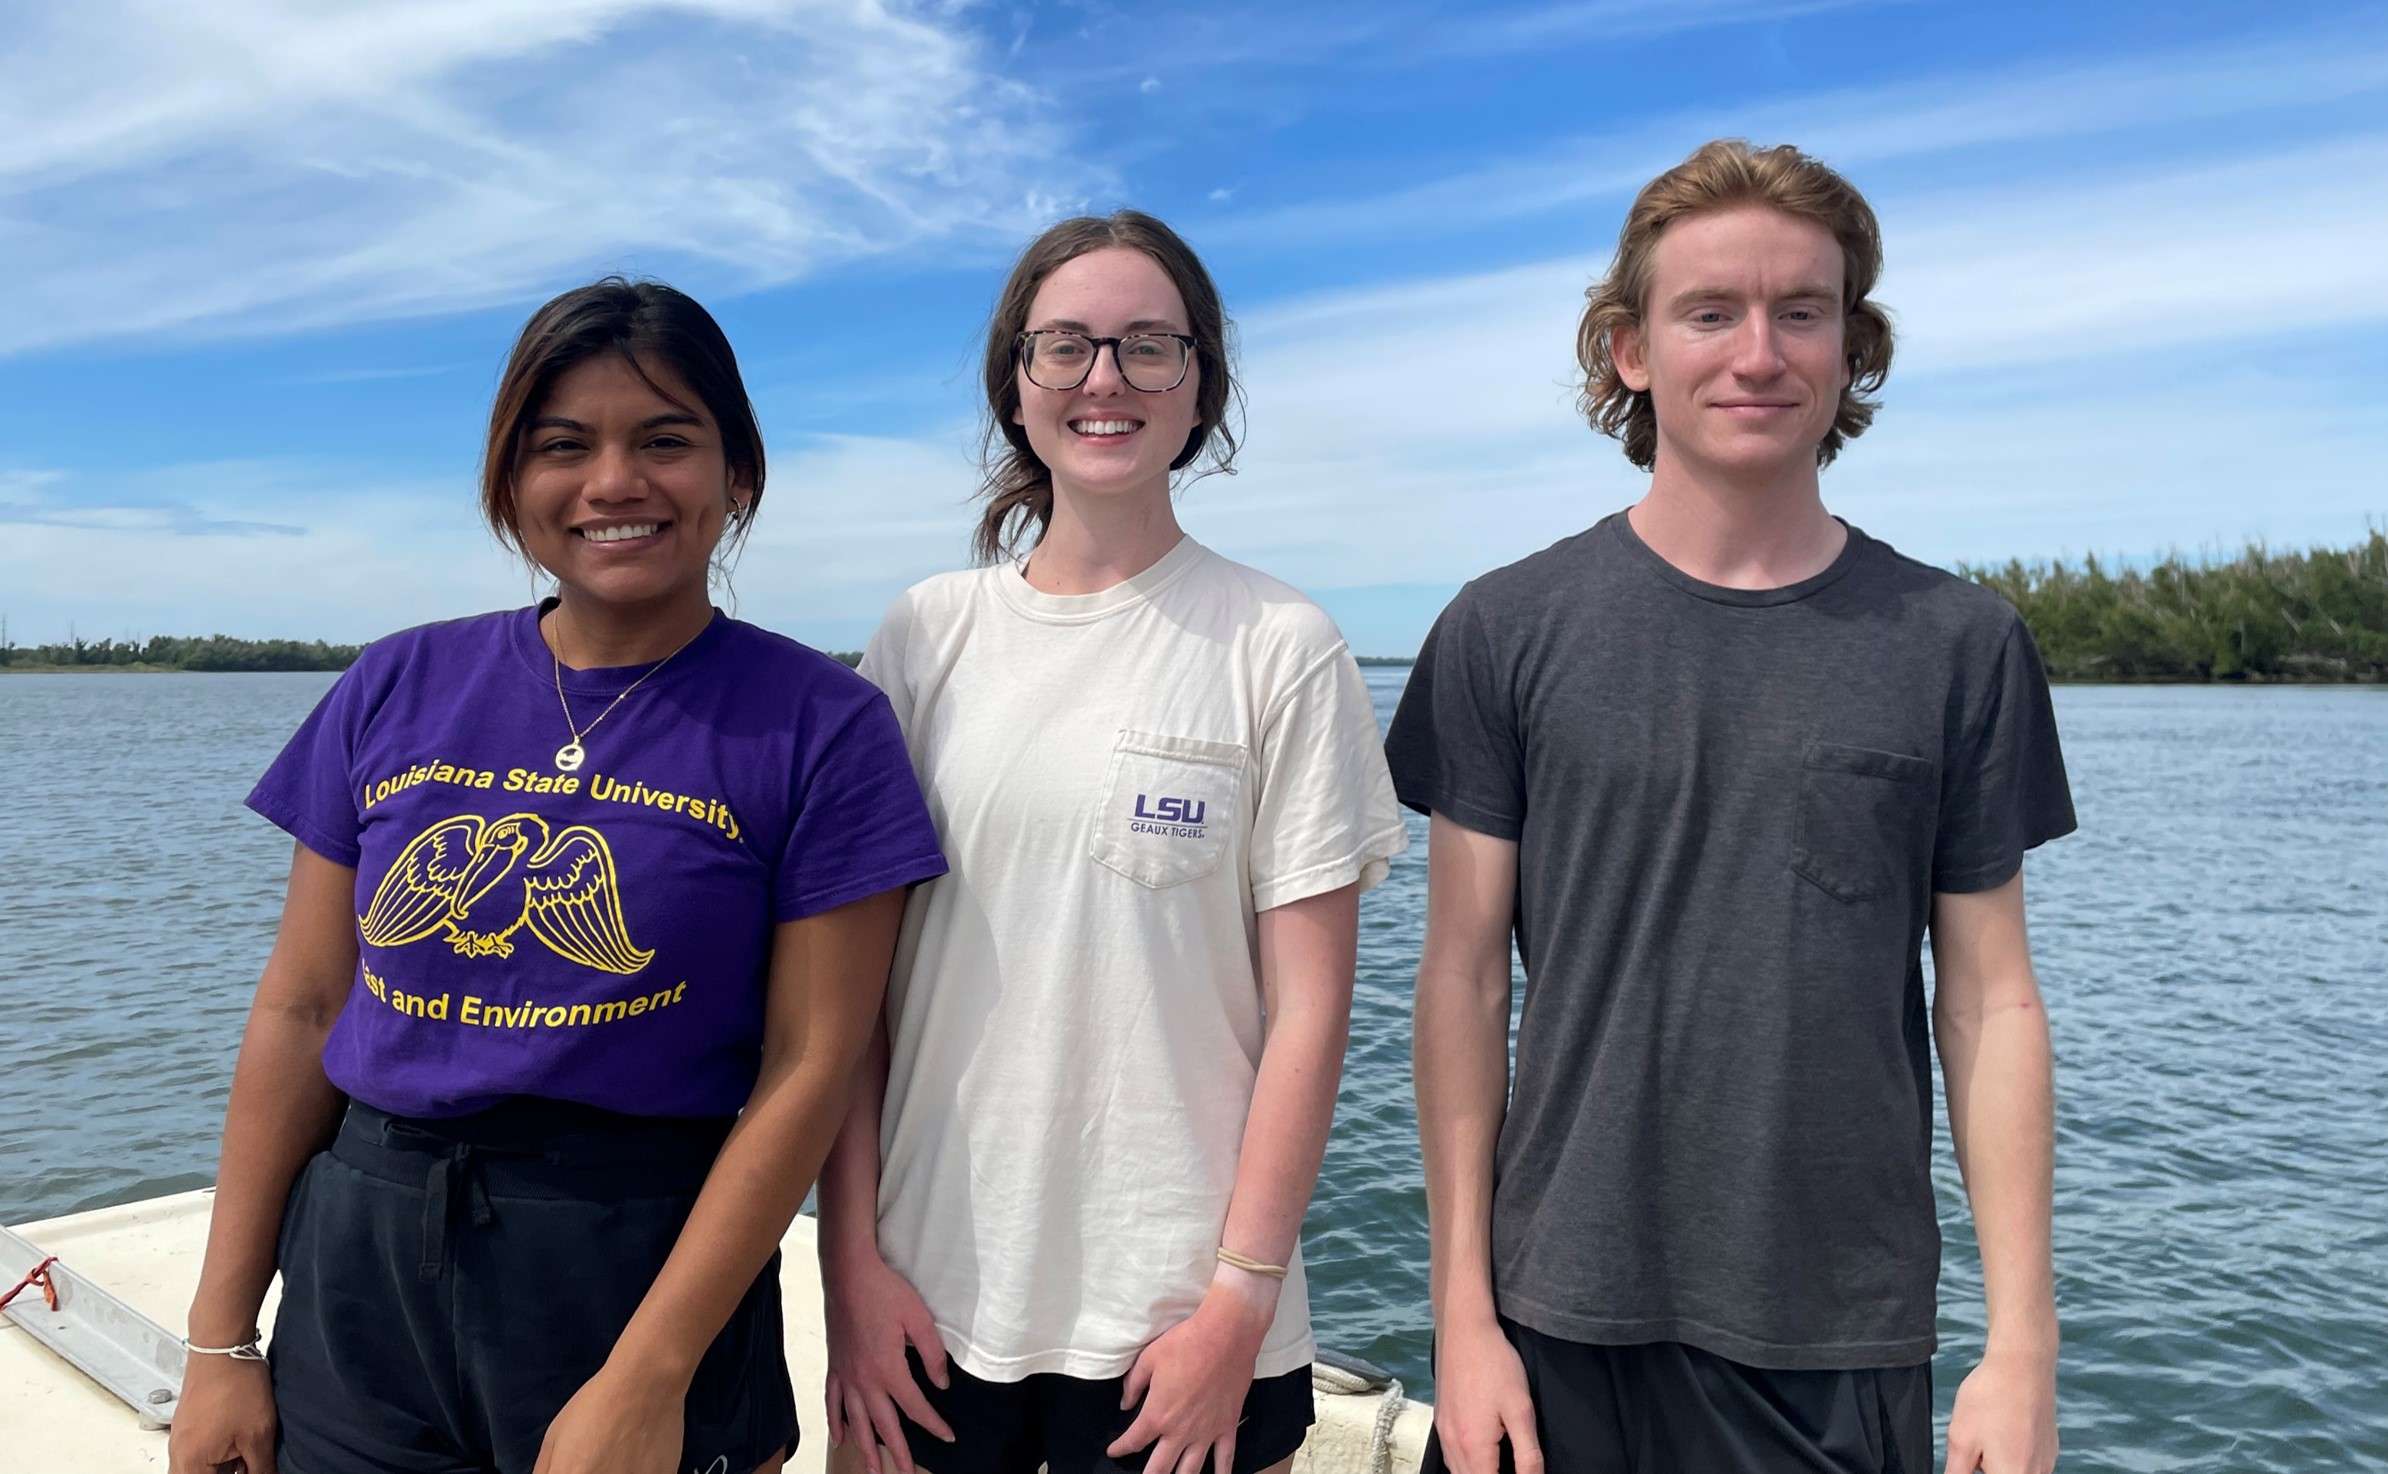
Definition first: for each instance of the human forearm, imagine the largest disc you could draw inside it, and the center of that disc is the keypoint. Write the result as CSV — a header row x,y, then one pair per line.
x,y
751,1195
1307,959
1460,1062
1191,1380
870,1314
1460,1058
1994,1056
828,974
848,1200
1992,1032
1285,1137
2002,1122
281,1112
1461,1067
282,1108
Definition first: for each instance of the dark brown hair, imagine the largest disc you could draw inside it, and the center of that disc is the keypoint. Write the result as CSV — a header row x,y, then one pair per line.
x,y
651,326
1719,176
1018,488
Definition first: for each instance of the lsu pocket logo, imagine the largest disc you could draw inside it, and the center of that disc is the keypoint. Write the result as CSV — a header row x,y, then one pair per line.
x,y
1174,818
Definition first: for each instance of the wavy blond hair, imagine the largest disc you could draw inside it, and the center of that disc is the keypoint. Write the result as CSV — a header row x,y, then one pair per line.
x,y
1718,176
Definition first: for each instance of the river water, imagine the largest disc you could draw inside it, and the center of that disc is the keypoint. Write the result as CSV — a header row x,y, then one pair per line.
x,y
2213,943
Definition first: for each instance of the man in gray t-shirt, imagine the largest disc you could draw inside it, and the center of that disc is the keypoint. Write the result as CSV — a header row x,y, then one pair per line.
x,y
1719,764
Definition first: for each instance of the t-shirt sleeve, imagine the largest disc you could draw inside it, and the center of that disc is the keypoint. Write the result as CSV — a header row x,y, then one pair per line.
x,y
310,790
861,825
1326,816
2006,792
1454,746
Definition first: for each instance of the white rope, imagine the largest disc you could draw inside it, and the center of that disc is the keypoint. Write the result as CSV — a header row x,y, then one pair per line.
x,y
1380,1439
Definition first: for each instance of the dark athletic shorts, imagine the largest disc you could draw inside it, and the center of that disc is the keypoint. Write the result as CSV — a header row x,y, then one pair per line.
x,y
448,1285
1065,1423
1667,1408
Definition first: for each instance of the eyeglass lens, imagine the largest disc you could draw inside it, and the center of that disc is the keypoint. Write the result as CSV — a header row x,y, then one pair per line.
x,y
1151,362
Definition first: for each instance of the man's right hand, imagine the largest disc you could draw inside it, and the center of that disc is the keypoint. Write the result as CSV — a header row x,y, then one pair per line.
x,y
224,1420
1480,1398
870,1314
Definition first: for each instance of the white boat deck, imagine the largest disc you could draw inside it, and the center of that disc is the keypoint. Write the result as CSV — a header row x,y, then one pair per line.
x,y
53,1420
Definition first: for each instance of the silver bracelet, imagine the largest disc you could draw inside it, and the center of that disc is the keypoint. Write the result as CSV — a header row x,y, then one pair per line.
x,y
242,1350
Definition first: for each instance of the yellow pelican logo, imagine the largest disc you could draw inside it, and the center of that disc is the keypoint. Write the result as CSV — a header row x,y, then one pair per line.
x,y
453,878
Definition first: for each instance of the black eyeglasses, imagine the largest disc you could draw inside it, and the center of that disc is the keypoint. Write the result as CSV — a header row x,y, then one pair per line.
x,y
1154,363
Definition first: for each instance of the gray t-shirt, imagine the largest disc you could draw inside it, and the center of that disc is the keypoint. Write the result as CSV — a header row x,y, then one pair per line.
x,y
1732,809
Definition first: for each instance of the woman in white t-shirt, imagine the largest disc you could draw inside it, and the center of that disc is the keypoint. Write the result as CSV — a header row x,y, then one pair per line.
x,y
1062,1224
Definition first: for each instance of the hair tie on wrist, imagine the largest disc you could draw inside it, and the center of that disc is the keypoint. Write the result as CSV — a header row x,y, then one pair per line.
x,y
245,1349
1234,1260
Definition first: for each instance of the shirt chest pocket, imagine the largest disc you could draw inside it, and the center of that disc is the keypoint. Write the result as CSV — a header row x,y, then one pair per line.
x,y
1865,820
1167,813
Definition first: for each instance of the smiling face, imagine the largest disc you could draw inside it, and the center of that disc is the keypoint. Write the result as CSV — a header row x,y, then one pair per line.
x,y
1105,438
622,491
1740,343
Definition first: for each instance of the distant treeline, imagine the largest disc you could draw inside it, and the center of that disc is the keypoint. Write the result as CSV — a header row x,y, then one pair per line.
x,y
2320,615
215,653
2262,616
169,652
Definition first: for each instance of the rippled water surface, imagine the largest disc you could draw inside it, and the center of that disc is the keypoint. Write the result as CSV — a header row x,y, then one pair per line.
x,y
2214,945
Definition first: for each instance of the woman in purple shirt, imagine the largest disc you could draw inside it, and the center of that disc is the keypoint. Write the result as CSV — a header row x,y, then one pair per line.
x,y
589,915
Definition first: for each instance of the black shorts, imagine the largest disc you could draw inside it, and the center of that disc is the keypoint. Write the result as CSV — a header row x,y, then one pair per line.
x,y
448,1285
1667,1408
1065,1423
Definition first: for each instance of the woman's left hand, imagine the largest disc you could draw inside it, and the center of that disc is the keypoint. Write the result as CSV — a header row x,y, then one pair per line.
x,y
616,1425
1193,1380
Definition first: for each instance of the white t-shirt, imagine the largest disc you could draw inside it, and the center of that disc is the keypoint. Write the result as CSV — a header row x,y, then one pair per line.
x,y
1121,780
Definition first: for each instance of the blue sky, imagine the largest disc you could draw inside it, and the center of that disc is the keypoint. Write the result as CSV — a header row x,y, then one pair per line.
x,y
265,257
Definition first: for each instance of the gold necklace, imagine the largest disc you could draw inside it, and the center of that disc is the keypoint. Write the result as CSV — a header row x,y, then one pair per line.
x,y
572,754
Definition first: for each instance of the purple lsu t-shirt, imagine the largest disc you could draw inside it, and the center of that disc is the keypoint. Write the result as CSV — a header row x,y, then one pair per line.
x,y
600,936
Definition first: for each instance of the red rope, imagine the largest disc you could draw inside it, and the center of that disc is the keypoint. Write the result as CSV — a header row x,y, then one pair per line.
x,y
39,1274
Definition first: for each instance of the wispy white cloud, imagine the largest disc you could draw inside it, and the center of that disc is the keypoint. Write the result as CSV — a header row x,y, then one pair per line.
x,y
1134,43
854,519
177,519
259,164
274,548
254,549
2100,354
1874,126
2121,464
1611,21
2092,362
374,375
2281,243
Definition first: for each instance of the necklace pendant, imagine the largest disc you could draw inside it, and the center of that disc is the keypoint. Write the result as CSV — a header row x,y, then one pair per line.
x,y
570,756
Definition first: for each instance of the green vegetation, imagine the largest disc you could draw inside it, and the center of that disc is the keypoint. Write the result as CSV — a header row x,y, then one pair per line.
x,y
2320,615
2262,616
215,653
166,652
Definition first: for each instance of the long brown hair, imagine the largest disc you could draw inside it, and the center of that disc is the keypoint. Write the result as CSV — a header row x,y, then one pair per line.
x,y
651,326
1719,176
1018,488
